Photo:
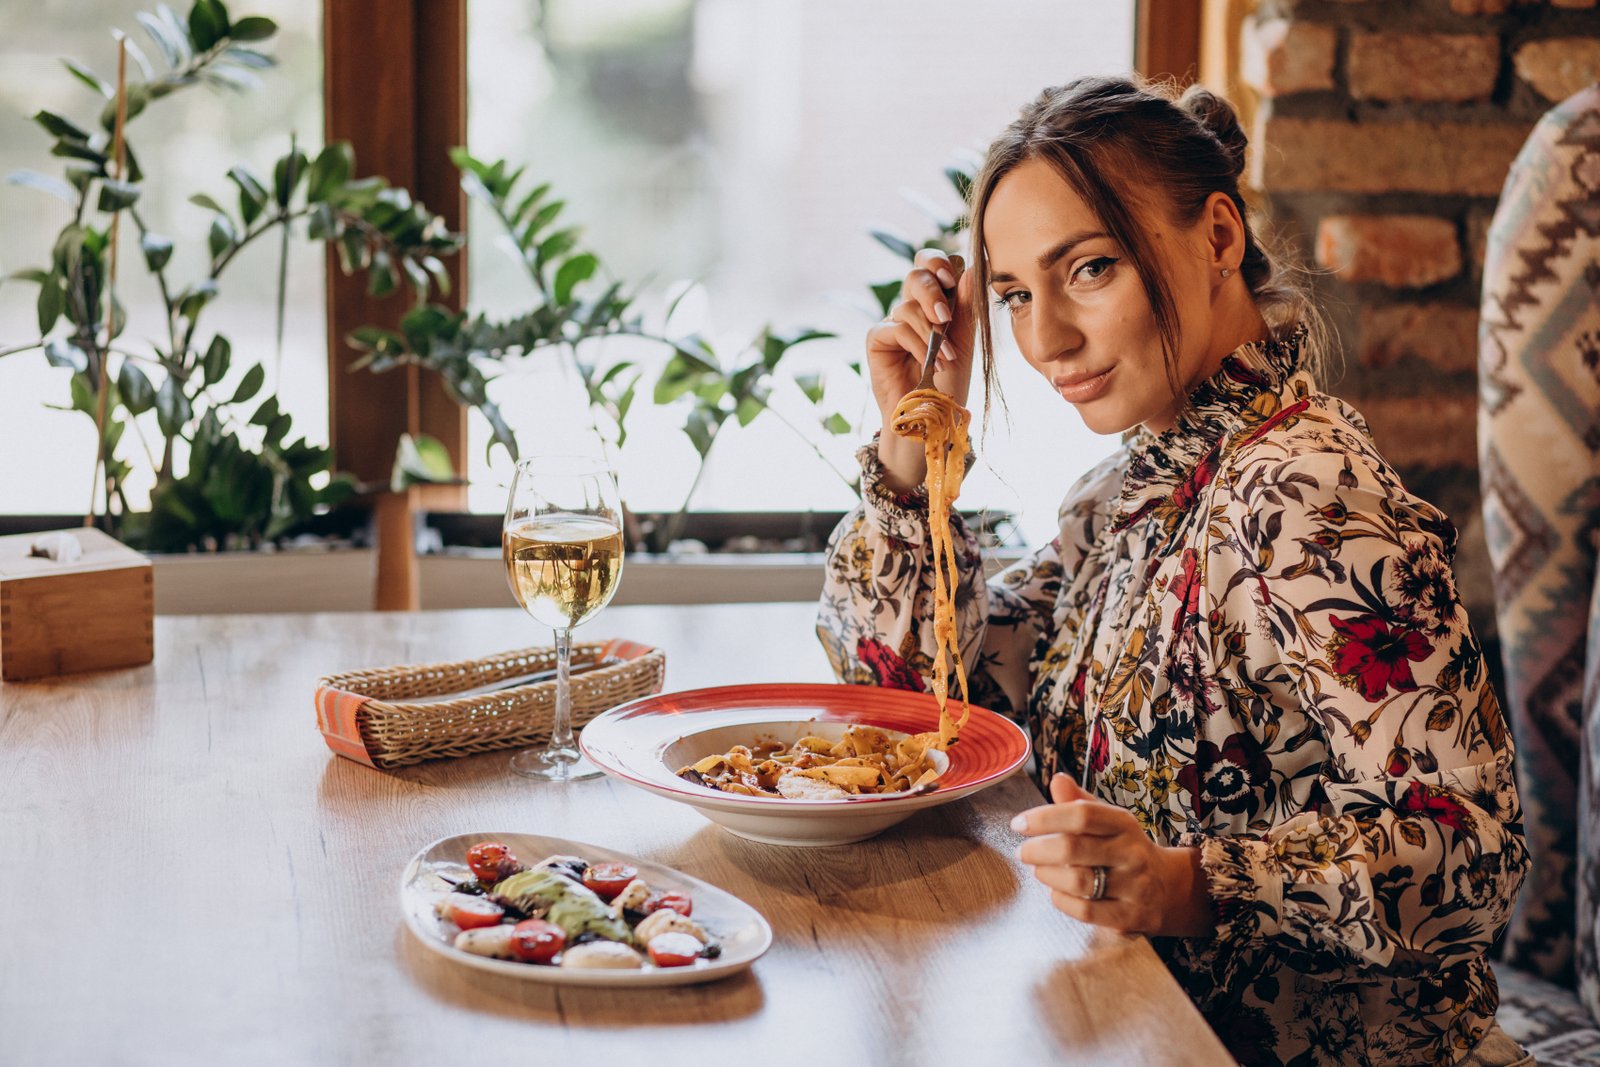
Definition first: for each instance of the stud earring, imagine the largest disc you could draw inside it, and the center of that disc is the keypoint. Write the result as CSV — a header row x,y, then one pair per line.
x,y
1226,272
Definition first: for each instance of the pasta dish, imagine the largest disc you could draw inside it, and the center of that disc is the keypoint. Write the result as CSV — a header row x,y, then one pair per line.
x,y
865,760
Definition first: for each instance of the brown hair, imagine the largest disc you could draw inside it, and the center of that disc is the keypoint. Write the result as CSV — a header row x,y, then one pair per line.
x,y
1111,138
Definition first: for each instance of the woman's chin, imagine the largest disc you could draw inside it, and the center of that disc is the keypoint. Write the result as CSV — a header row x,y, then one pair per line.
x,y
1103,419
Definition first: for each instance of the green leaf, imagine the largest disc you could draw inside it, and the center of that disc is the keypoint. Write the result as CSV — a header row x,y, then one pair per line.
x,y
421,460
137,393
33,274
836,424
701,427
286,175
218,357
208,24
89,78
157,250
381,280
811,385
137,97
354,254
56,126
557,245
253,28
52,302
887,294
172,407
44,183
331,169
962,181
898,245
526,205
254,378
267,413
579,268
202,200
748,408
222,236
252,195
192,300
62,353
115,195
544,217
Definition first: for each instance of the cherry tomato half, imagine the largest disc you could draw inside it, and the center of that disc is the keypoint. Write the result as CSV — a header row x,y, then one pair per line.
x,y
673,950
537,941
678,902
609,879
491,861
470,912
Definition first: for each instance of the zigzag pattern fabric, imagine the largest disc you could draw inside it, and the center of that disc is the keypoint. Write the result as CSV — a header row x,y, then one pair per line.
x,y
1539,450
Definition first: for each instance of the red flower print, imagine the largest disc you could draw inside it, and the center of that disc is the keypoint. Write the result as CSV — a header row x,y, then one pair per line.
x,y
1186,587
1189,491
1372,656
887,667
1437,805
1099,747
1080,685
1226,778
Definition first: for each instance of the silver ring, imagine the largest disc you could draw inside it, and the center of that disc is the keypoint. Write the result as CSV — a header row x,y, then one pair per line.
x,y
1099,892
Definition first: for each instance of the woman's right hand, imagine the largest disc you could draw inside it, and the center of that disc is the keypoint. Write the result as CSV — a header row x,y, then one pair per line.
x,y
897,345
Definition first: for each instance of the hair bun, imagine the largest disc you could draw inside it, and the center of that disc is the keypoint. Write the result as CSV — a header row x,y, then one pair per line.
x,y
1217,116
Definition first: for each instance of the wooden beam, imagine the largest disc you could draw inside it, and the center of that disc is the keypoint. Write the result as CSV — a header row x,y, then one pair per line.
x,y
394,86
1167,39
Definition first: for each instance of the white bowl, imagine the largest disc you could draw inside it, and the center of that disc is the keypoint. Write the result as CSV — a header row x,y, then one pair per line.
x,y
646,742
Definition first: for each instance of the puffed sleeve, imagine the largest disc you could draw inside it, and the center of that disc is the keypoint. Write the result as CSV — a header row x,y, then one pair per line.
x,y
876,616
1410,852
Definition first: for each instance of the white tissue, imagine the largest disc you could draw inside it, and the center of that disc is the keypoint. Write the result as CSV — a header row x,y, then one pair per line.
x,y
61,547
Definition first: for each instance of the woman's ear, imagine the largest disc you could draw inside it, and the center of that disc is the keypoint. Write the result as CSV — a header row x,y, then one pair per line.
x,y
1224,232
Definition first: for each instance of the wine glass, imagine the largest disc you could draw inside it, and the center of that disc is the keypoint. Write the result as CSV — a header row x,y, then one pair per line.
x,y
562,543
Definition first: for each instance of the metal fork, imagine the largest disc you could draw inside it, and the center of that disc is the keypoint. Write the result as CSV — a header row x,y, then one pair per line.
x,y
935,339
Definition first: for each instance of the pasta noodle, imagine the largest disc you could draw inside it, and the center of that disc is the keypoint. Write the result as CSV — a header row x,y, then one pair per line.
x,y
941,423
865,760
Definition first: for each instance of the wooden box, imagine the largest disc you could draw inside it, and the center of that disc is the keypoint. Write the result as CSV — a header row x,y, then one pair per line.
x,y
93,613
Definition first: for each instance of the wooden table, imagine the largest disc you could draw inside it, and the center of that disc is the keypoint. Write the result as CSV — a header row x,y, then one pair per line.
x,y
192,877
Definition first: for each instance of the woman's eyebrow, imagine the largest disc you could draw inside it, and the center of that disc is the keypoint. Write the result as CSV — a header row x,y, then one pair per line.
x,y
1054,255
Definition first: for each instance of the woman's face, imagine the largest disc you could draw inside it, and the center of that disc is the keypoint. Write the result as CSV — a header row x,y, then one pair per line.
x,y
1078,310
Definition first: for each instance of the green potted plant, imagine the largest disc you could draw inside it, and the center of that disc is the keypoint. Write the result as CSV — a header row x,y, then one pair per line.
x,y
228,472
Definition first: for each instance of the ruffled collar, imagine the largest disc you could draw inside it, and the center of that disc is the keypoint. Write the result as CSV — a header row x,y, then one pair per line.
x,y
1164,465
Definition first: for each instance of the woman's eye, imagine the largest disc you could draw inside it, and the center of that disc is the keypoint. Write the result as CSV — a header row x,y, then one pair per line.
x,y
1093,270
1011,301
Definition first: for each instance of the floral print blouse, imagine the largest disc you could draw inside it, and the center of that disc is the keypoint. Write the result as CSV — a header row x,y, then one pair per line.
x,y
1251,632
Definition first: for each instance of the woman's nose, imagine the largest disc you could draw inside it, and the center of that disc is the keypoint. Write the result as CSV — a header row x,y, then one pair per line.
x,y
1053,333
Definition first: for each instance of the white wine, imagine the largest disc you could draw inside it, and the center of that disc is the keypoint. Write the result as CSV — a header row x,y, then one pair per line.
x,y
563,568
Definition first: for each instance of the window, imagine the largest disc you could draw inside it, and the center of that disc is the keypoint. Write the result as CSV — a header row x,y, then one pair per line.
x,y
751,145
186,145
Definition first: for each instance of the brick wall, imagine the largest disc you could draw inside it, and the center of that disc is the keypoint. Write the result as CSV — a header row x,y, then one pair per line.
x,y
1383,130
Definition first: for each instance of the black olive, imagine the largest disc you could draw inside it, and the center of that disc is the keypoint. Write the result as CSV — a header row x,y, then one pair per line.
x,y
711,951
633,916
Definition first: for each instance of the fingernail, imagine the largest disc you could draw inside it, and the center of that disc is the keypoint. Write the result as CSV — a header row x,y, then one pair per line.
x,y
946,354
941,312
1020,823
946,279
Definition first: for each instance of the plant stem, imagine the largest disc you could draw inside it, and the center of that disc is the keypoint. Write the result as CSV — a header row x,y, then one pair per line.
x,y
14,349
851,485
675,524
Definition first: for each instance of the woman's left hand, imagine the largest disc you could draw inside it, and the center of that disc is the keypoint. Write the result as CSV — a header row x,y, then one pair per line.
x,y
1148,888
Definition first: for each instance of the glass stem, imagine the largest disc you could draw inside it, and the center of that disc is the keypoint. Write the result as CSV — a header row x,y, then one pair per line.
x,y
561,729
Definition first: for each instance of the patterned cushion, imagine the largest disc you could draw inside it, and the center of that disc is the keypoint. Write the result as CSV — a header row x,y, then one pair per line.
x,y
1547,1020
1539,446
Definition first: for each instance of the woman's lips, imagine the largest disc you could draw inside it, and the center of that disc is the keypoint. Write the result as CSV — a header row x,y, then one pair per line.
x,y
1081,390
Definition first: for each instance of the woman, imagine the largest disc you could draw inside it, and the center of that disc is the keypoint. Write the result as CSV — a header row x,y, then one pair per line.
x,y
1246,640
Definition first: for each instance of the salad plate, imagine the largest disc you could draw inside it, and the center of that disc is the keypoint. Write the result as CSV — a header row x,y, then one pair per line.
x,y
740,933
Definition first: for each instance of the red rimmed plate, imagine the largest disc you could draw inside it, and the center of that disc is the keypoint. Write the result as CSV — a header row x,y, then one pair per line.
x,y
646,741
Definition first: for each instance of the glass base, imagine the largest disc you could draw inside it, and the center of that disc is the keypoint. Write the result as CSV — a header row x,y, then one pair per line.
x,y
554,765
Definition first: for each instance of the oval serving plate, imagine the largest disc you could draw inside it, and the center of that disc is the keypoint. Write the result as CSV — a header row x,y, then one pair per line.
x,y
741,931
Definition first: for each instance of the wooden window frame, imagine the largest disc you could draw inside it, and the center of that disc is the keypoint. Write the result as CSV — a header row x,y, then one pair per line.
x,y
395,87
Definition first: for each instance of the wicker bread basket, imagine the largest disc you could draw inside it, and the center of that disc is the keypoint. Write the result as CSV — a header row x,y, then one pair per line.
x,y
378,716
